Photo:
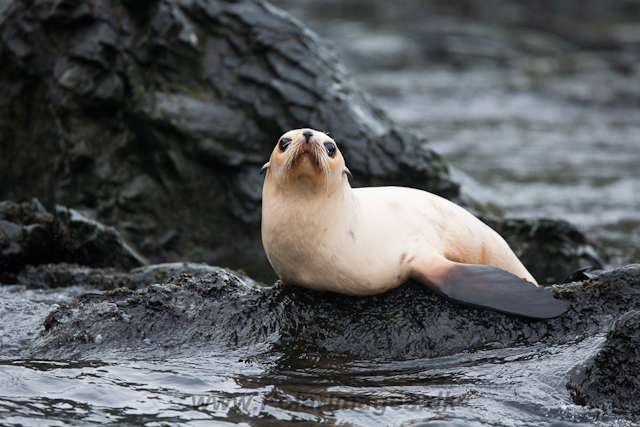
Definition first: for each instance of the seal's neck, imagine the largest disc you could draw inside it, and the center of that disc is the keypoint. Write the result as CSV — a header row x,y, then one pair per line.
x,y
305,181
294,197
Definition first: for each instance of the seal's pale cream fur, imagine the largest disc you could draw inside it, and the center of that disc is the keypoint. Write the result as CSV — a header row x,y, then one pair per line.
x,y
320,233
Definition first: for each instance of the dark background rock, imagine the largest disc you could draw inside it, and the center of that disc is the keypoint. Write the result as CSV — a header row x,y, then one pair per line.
x,y
583,52
30,235
156,117
573,20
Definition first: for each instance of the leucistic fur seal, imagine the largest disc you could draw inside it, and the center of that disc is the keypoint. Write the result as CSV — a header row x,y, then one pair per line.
x,y
320,233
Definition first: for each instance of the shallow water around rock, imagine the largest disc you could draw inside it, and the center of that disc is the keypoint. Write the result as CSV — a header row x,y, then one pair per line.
x,y
476,389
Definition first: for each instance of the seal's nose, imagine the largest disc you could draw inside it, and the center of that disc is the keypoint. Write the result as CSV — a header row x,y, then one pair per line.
x,y
307,134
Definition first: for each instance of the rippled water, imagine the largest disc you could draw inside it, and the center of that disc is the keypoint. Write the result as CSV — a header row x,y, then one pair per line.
x,y
542,152
506,387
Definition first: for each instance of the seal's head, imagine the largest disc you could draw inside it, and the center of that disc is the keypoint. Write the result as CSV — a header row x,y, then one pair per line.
x,y
306,157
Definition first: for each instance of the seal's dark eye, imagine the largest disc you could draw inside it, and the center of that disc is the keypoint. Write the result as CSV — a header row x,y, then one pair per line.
x,y
284,143
331,148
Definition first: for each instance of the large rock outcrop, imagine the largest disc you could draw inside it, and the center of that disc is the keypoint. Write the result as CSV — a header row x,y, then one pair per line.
x,y
156,116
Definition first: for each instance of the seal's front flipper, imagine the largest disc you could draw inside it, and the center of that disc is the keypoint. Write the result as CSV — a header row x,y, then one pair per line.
x,y
579,275
490,288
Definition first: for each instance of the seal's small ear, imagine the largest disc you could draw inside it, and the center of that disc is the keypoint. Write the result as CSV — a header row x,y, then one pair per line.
x,y
348,172
264,168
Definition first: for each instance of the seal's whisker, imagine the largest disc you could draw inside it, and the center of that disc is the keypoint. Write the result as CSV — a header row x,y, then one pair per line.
x,y
323,164
289,158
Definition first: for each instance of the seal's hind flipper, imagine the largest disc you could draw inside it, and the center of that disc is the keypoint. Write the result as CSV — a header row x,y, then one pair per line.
x,y
487,287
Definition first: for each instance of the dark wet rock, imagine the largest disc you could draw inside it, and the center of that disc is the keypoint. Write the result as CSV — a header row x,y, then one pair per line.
x,y
29,234
549,248
65,275
218,311
157,116
612,381
85,241
26,235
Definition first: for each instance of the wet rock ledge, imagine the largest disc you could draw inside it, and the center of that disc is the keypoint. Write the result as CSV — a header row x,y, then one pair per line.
x,y
215,308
